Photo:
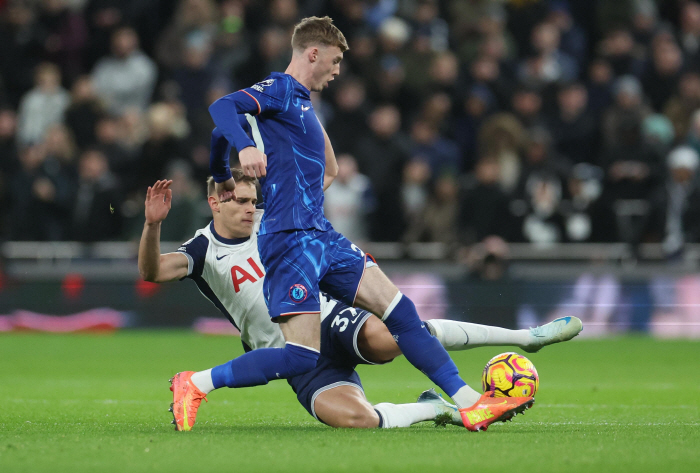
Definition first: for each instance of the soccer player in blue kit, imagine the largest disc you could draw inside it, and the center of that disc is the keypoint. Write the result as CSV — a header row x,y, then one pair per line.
x,y
290,152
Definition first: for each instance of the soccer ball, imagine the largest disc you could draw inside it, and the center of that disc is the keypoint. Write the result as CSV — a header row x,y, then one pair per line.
x,y
510,375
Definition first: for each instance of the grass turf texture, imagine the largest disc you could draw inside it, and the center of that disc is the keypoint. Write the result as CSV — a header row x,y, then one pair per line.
x,y
80,403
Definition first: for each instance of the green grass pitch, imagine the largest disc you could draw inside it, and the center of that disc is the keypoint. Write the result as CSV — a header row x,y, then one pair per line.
x,y
81,403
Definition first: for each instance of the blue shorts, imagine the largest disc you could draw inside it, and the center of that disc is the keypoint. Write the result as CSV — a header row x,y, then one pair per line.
x,y
301,263
339,356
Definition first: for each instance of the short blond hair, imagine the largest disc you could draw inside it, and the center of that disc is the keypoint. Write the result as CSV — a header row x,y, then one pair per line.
x,y
237,175
318,31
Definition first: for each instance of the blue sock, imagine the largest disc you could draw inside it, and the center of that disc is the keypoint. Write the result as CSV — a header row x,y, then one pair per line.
x,y
260,366
420,348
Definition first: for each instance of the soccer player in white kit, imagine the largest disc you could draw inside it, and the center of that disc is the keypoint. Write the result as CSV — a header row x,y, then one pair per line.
x,y
223,260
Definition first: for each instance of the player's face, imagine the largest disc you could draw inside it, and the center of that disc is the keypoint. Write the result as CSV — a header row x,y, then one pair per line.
x,y
326,67
237,215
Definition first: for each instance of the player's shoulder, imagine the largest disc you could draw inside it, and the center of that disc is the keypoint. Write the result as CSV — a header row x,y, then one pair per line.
x,y
198,244
274,84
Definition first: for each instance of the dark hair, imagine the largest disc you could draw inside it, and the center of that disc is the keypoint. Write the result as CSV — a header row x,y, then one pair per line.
x,y
314,30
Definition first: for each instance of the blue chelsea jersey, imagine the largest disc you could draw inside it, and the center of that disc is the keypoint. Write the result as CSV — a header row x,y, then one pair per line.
x,y
288,131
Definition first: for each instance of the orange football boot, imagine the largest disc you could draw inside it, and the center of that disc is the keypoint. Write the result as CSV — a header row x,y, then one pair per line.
x,y
186,400
489,409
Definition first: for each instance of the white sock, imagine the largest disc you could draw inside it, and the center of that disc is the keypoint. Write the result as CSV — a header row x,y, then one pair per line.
x,y
202,380
404,415
466,397
454,335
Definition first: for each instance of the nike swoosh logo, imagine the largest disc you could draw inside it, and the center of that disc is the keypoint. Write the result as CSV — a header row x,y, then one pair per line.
x,y
219,258
303,109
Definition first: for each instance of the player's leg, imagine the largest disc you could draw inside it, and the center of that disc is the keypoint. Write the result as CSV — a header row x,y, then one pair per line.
x,y
347,407
292,261
263,365
455,335
377,294
377,345
332,393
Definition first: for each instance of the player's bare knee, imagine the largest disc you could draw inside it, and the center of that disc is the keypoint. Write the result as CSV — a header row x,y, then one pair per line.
x,y
376,343
359,418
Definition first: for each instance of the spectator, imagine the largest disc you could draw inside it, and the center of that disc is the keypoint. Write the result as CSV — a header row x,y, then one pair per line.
x,y
103,18
541,190
676,205
194,78
192,19
232,48
428,24
541,159
84,112
527,107
575,129
661,77
645,21
690,30
60,147
9,163
483,206
43,189
66,36
350,118
630,165
167,127
22,49
438,219
349,201
623,54
465,127
574,41
109,136
628,107
502,137
486,70
381,156
42,106
272,54
586,217
125,79
657,133
97,207
187,204
681,106
442,154
543,224
415,189
600,80
548,64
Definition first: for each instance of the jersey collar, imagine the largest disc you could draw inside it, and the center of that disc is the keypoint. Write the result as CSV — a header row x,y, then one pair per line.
x,y
226,241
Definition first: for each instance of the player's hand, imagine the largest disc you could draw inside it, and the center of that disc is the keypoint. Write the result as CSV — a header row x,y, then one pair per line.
x,y
253,162
226,190
158,200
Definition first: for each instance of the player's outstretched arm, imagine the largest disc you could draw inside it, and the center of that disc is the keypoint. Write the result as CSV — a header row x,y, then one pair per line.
x,y
225,113
153,266
331,163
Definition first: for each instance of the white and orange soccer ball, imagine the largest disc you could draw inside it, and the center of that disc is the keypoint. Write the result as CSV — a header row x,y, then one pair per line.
x,y
510,375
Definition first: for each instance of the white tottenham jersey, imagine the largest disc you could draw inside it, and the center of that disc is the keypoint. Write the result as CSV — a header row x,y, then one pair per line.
x,y
229,273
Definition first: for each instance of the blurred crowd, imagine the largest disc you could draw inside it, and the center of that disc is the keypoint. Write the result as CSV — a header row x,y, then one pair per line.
x,y
538,121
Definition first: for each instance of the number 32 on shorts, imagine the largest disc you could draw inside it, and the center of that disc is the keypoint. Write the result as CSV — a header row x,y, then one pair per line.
x,y
343,322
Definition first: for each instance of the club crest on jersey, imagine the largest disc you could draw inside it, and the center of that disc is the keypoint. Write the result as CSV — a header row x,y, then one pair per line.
x,y
298,293
266,83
